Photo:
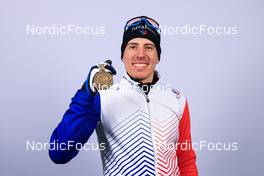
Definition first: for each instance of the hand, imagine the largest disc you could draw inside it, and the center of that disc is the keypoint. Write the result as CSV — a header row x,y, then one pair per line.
x,y
89,84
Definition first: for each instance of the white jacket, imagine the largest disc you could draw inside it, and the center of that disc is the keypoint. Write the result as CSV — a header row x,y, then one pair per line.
x,y
139,131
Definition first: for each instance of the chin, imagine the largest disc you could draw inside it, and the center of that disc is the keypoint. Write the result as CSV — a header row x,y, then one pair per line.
x,y
139,76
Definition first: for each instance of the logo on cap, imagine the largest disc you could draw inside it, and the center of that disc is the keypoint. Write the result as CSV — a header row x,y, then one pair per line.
x,y
143,32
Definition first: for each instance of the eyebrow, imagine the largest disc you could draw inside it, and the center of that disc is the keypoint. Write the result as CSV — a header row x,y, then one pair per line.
x,y
132,43
149,44
135,43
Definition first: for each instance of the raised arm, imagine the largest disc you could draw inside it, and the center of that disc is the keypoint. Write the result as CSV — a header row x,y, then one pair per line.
x,y
77,125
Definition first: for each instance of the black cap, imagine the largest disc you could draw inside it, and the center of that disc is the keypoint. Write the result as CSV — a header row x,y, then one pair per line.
x,y
141,30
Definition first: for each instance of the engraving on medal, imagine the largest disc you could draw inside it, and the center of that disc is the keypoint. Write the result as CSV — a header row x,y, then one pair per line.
x,y
103,79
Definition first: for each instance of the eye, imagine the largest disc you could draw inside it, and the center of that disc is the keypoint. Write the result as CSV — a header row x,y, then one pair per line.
x,y
149,48
132,47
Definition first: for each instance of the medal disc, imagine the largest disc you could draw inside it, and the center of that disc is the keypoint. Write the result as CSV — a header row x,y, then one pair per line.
x,y
103,80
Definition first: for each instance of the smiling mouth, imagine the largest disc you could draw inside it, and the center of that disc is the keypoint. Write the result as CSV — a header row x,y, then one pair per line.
x,y
140,65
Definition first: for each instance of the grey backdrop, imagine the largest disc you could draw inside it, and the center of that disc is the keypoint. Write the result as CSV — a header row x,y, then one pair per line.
x,y
222,77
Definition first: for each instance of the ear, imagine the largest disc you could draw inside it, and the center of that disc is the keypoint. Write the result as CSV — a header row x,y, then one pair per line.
x,y
157,61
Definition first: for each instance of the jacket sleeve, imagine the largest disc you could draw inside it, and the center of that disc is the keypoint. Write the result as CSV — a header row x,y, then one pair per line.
x,y
185,153
77,125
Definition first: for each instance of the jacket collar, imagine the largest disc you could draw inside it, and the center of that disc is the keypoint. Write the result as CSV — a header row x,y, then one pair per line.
x,y
133,82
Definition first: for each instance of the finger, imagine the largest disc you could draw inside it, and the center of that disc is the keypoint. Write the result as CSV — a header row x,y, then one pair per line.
x,y
108,62
111,69
91,75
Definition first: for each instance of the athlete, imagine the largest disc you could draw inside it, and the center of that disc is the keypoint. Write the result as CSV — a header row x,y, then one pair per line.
x,y
142,124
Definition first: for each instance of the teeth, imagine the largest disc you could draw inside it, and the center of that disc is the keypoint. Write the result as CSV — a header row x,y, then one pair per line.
x,y
140,65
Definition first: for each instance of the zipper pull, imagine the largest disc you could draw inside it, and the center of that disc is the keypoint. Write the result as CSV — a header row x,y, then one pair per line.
x,y
147,98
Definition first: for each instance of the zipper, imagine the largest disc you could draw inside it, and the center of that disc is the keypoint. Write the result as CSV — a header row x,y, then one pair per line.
x,y
151,131
147,98
145,95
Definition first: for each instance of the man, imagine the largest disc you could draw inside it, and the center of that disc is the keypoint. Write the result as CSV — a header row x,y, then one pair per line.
x,y
141,122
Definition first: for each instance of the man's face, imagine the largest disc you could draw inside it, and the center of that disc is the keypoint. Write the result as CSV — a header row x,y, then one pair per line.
x,y
140,59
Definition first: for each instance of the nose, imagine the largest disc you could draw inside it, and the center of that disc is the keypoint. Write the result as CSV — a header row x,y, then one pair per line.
x,y
141,52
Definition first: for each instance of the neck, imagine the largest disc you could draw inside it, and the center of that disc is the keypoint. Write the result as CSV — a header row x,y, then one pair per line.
x,y
148,80
154,78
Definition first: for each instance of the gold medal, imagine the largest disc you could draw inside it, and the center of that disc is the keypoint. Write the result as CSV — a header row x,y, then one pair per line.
x,y
103,79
